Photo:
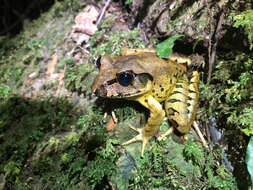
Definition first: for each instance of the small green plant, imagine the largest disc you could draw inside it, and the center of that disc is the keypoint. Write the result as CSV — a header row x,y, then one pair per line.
x,y
128,2
5,91
12,168
245,20
66,158
194,152
34,45
103,164
66,61
245,119
148,166
11,75
217,176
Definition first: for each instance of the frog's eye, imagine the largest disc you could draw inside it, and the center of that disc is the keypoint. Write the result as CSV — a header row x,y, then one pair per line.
x,y
125,78
98,62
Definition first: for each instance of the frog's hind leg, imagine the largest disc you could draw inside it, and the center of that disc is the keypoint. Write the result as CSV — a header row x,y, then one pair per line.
x,y
183,60
181,106
193,96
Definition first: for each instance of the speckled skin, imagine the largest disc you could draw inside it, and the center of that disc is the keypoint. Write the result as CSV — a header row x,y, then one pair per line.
x,y
155,80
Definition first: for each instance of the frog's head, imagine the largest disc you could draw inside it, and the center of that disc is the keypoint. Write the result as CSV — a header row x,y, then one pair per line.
x,y
121,78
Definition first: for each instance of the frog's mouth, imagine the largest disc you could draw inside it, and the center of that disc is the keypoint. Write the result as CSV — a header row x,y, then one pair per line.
x,y
117,91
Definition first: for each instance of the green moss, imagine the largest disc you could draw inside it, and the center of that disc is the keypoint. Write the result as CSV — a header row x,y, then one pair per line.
x,y
76,75
102,165
230,90
113,42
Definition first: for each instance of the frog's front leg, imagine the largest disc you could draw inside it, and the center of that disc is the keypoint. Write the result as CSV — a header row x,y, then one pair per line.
x,y
156,117
181,106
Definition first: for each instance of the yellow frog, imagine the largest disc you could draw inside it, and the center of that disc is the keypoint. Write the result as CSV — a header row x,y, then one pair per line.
x,y
142,76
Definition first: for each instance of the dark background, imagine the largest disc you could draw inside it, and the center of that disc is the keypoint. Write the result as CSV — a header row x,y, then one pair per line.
x,y
14,12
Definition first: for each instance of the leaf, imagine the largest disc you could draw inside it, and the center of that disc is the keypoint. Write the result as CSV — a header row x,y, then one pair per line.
x,y
164,49
249,158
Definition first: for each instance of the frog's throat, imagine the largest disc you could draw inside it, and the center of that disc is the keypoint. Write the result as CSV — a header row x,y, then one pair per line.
x,y
139,92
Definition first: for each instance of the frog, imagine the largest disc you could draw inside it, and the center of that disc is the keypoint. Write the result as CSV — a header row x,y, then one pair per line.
x,y
140,75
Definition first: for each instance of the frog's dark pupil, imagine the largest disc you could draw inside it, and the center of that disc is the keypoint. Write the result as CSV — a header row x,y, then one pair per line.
x,y
125,78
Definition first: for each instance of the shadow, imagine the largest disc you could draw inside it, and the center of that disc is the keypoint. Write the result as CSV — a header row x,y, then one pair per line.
x,y
26,122
34,134
236,151
233,40
112,104
124,109
142,11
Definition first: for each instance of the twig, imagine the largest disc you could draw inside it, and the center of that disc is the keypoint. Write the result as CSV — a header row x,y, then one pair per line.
x,y
195,126
210,39
114,117
212,50
112,186
103,12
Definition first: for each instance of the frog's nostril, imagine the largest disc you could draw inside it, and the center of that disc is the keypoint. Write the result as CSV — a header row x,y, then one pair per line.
x,y
96,92
101,91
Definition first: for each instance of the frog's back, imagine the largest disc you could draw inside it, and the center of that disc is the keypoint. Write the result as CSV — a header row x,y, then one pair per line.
x,y
148,63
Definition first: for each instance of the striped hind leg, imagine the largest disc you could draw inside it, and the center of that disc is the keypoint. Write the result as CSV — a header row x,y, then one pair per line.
x,y
181,106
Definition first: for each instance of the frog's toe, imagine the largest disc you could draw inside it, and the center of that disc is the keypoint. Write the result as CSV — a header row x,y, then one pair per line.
x,y
165,134
139,137
135,139
139,130
144,143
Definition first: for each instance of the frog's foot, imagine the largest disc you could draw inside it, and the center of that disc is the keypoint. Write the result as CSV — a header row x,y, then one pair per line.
x,y
139,137
160,137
